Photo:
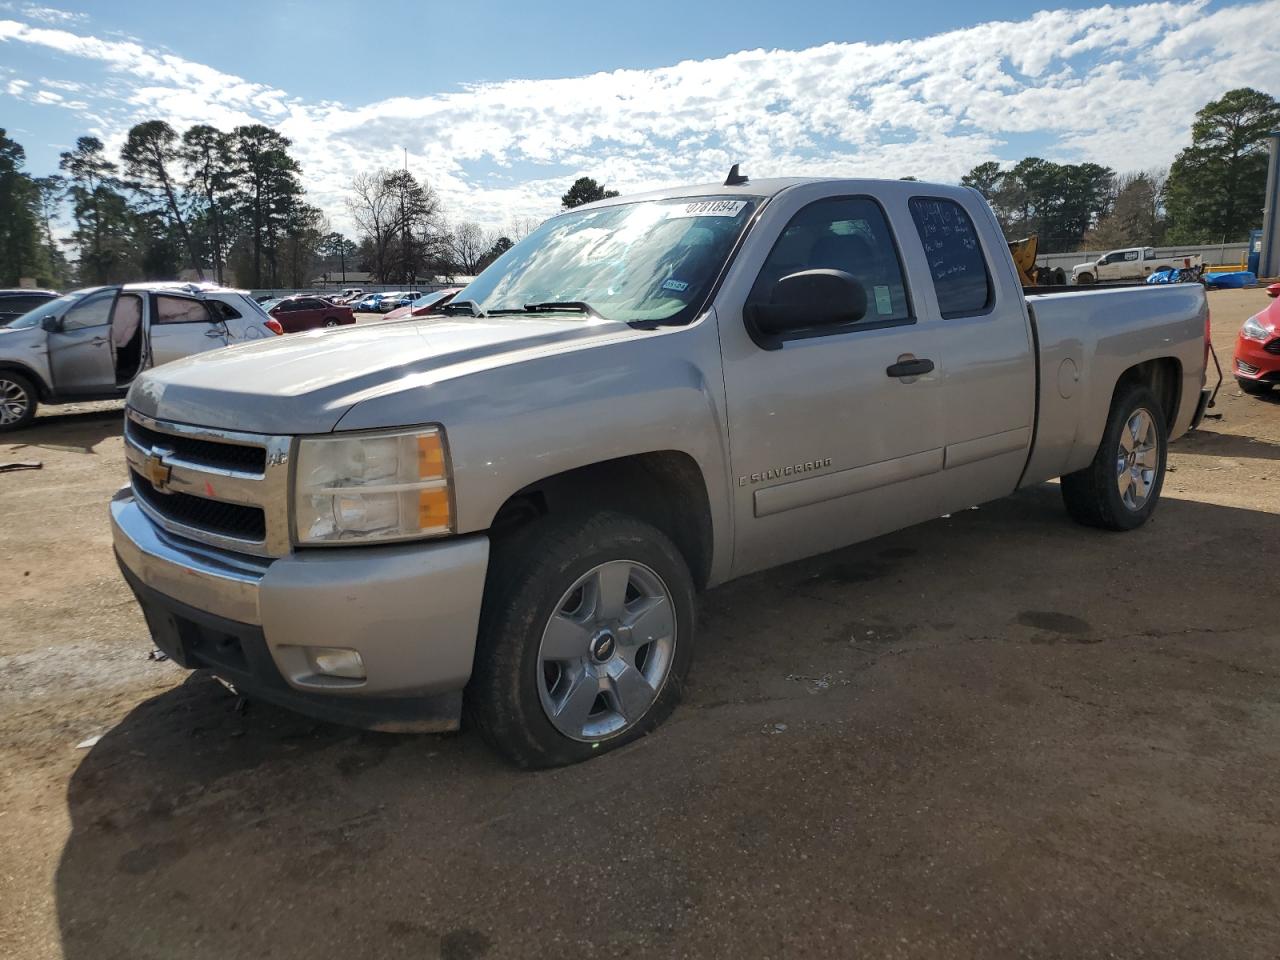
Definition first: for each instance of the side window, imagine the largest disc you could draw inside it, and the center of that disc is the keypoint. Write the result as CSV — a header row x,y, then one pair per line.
x,y
1131,255
223,311
180,310
287,306
849,234
93,312
955,257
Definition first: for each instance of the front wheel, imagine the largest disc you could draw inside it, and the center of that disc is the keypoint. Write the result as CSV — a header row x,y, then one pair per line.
x,y
1120,488
331,323
1084,279
1255,388
17,401
586,636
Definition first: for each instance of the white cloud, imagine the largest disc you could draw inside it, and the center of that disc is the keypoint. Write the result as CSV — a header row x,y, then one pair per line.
x,y
1115,85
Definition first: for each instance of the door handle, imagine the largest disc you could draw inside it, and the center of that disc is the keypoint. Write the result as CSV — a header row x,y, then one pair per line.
x,y
215,333
98,340
910,368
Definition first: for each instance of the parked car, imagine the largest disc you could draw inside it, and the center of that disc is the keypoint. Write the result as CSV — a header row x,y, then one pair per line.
x,y
426,305
645,397
348,296
14,303
369,303
1257,359
1132,263
305,312
398,298
92,343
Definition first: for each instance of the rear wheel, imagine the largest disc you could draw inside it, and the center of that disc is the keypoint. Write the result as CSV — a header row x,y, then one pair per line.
x,y
17,401
585,638
1120,488
331,322
1255,388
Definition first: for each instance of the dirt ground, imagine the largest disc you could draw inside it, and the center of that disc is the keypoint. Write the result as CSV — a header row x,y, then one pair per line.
x,y
996,734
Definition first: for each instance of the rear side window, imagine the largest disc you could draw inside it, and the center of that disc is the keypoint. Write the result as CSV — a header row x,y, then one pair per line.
x,y
841,233
956,262
223,311
180,310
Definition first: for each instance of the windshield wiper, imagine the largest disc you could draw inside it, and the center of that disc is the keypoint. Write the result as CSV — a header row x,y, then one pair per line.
x,y
470,306
564,306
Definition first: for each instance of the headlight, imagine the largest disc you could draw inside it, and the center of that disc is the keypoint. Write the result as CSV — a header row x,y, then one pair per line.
x,y
1253,330
372,487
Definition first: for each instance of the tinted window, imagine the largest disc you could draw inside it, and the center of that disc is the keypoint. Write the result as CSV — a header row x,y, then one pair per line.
x,y
1131,255
848,234
955,257
222,310
180,310
92,312
21,304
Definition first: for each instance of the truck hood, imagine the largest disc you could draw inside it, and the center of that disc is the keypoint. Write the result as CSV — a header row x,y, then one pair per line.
x,y
304,383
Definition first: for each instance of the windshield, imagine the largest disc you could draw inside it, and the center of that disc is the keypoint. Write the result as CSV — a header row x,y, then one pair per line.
x,y
428,299
649,261
54,308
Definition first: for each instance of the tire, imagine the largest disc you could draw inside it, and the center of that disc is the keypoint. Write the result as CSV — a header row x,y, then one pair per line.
x,y
1255,388
1084,279
18,401
1099,495
535,595
331,322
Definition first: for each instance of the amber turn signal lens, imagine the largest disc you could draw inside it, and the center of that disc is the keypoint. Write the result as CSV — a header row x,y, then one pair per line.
x,y
433,509
430,457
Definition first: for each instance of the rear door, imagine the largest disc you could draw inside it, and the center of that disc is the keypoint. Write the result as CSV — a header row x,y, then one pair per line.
x,y
80,356
182,326
973,302
827,447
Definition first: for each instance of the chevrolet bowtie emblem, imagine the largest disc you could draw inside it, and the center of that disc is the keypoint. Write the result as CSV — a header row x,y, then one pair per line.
x,y
158,471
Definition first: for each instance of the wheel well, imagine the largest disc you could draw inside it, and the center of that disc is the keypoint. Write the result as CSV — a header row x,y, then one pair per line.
x,y
664,489
1164,377
42,389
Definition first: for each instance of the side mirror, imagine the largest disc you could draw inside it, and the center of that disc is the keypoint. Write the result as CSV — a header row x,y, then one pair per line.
x,y
809,299
54,324
1273,290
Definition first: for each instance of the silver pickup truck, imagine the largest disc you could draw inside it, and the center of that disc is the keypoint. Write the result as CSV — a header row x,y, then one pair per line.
x,y
91,343
510,509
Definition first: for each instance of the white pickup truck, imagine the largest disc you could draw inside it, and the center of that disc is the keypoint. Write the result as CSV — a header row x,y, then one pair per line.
x,y
512,507
1132,263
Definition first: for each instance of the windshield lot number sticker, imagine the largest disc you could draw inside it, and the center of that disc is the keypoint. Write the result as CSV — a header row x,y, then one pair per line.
x,y
706,208
679,286
884,302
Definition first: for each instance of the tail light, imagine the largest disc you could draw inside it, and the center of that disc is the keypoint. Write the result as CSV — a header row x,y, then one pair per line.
x,y
274,326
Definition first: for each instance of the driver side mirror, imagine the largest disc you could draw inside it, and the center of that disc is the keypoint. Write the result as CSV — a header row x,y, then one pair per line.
x,y
51,324
807,300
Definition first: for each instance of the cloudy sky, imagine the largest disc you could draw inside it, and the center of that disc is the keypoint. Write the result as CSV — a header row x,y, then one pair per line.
x,y
502,104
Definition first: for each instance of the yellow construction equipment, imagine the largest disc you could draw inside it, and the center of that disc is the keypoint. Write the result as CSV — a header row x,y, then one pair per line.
x,y
1024,258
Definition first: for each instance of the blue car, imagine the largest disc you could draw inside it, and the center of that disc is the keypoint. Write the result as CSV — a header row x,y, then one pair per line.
x,y
370,304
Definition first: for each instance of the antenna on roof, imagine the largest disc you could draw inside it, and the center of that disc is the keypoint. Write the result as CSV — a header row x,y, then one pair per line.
x,y
734,179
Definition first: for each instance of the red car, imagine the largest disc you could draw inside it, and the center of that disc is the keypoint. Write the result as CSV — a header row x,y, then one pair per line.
x,y
1258,348
426,305
302,312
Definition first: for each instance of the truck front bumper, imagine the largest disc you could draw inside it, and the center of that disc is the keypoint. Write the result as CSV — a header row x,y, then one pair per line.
x,y
409,613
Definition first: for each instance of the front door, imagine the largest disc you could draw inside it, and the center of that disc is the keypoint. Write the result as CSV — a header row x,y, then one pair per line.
x,y
828,445
80,355
182,326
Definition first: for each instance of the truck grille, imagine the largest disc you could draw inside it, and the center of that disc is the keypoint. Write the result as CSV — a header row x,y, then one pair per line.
x,y
223,488
204,453
210,516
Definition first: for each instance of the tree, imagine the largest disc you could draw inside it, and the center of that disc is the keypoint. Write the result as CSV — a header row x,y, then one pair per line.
x,y
205,154
1135,218
521,227
500,246
1057,202
985,178
151,154
340,246
1216,186
20,251
50,192
468,244
305,230
398,221
103,235
267,192
585,190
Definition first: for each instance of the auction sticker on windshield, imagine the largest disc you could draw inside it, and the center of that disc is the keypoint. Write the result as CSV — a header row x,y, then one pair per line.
x,y
706,208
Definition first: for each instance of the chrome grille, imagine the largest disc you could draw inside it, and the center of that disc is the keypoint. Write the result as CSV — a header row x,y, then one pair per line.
x,y
220,487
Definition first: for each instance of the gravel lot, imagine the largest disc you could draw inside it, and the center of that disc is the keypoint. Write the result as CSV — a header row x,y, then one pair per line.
x,y
996,734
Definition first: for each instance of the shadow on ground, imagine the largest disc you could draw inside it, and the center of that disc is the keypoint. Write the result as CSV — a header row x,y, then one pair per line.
x,y
994,734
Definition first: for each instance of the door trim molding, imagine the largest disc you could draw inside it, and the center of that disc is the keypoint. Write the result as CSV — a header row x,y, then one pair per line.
x,y
832,486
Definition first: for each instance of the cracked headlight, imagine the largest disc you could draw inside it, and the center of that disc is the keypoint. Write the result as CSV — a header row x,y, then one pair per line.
x,y
372,487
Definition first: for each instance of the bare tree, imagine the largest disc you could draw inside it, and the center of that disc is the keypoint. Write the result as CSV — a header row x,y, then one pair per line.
x,y
398,219
521,227
468,244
